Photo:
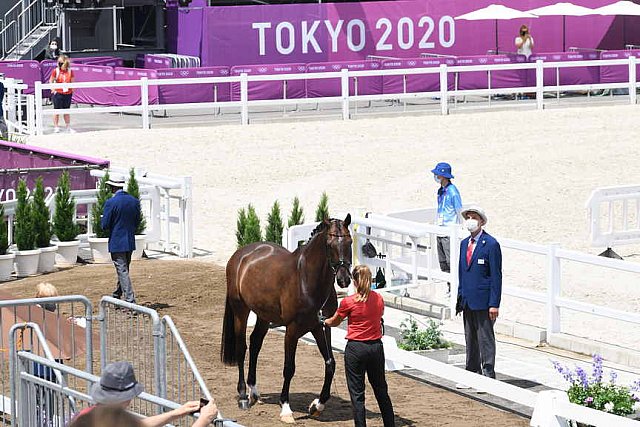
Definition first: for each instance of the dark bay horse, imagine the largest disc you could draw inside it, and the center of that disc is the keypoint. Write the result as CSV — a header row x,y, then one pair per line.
x,y
285,289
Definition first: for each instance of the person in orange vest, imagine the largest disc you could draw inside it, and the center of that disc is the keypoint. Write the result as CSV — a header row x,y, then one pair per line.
x,y
62,95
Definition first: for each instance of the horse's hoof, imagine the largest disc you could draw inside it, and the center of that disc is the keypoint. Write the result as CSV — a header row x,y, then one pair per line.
x,y
315,408
243,404
288,419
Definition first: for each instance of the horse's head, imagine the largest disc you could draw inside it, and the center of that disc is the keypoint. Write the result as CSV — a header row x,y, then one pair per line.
x,y
339,249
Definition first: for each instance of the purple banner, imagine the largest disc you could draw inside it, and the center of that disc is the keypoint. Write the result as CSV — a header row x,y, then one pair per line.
x,y
270,89
617,73
156,62
499,79
14,156
180,94
332,87
132,95
568,76
27,71
330,32
415,82
97,95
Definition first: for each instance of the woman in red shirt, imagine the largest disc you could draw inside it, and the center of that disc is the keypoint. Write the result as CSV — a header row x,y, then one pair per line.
x,y
364,352
62,95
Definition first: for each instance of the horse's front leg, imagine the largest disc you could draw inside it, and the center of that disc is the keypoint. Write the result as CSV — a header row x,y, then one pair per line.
x,y
322,336
290,346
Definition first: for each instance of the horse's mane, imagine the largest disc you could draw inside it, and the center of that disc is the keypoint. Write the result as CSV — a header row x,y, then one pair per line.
x,y
322,227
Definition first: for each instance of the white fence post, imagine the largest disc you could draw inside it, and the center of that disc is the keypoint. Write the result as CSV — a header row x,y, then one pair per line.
x,y
244,99
144,88
39,124
539,85
444,100
344,84
632,80
553,290
186,249
31,113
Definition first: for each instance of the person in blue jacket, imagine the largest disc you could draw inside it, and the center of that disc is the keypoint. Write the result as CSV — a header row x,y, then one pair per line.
x,y
120,218
479,292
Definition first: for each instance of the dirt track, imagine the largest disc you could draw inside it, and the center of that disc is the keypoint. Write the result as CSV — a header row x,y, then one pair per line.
x,y
194,292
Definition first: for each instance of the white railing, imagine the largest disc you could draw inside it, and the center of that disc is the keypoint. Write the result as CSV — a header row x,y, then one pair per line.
x,y
165,201
418,261
614,216
13,103
344,99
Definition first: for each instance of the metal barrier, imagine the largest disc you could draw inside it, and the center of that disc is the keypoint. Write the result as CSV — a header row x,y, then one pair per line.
x,y
70,343
614,216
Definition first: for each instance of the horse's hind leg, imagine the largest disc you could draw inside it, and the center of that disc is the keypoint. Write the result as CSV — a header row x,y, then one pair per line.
x,y
255,344
240,328
322,336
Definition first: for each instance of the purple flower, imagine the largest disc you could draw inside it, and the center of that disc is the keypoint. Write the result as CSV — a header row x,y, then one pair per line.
x,y
597,368
582,377
636,385
612,377
563,370
588,400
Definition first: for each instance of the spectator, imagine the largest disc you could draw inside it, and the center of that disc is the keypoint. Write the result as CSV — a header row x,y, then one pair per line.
x,y
524,42
121,217
4,134
118,387
62,95
479,292
53,51
44,290
364,352
448,212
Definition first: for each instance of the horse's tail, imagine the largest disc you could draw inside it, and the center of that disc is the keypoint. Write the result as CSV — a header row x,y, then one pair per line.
x,y
228,347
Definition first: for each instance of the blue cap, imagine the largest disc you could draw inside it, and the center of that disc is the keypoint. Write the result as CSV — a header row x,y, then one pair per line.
x,y
443,169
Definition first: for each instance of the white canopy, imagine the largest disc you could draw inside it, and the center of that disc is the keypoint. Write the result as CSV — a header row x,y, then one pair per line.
x,y
562,9
495,11
623,7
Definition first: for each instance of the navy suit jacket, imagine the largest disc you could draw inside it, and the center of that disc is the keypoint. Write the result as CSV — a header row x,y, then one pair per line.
x,y
480,282
121,217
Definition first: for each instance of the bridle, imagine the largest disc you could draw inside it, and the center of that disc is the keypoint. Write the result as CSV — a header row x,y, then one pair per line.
x,y
341,262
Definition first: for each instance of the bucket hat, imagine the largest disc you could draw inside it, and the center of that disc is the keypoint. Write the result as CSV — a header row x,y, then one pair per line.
x,y
477,210
117,384
442,169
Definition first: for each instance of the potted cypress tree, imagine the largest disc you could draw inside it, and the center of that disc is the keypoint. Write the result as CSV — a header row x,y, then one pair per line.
x,y
64,227
42,228
6,259
27,255
322,211
134,189
100,242
275,227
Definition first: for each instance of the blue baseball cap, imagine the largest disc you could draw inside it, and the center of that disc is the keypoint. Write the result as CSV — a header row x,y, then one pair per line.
x,y
442,169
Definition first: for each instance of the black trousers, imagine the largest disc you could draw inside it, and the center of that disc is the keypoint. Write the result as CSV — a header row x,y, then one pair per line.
x,y
362,357
444,251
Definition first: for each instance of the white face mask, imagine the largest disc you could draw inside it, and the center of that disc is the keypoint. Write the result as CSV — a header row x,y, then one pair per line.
x,y
472,225
53,46
436,179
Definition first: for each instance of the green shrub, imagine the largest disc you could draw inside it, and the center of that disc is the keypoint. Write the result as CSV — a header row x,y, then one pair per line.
x,y
104,194
4,232
41,216
134,189
241,225
24,236
297,214
322,211
252,232
414,338
273,233
64,226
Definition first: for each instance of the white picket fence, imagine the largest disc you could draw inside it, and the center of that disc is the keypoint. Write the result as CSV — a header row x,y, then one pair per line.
x,y
13,111
166,203
345,99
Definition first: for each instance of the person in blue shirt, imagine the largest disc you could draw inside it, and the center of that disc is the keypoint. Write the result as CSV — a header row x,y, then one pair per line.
x,y
448,212
121,218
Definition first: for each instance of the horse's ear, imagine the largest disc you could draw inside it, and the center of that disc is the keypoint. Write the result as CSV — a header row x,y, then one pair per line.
x,y
347,220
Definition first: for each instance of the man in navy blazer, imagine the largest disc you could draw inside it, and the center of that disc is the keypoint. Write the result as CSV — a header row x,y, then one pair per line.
x,y
121,218
479,292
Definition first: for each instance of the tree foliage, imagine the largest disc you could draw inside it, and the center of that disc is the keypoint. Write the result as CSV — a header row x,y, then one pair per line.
x,y
275,226
41,216
64,227
4,232
297,213
134,189
24,234
322,211
104,194
252,231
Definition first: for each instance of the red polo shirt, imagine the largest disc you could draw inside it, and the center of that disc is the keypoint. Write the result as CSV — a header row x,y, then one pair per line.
x,y
363,317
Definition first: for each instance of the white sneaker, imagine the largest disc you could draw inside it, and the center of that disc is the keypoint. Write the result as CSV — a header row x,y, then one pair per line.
x,y
56,129
69,130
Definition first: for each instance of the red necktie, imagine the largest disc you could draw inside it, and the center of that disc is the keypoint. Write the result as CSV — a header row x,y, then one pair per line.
x,y
470,250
